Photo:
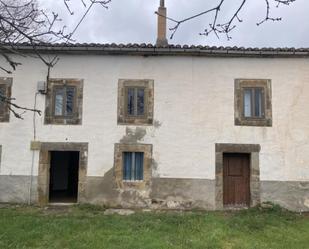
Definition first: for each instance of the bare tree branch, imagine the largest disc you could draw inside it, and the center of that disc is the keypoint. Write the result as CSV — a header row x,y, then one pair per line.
x,y
225,28
23,22
13,106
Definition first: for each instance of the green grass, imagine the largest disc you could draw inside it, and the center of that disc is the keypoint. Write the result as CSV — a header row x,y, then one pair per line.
x,y
88,227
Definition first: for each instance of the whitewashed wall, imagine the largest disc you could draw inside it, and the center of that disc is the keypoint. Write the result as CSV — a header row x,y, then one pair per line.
x,y
194,103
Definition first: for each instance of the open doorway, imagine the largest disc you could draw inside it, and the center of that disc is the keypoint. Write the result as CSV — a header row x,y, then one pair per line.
x,y
63,184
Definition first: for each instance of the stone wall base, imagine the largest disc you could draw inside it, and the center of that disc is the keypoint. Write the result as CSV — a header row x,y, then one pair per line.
x,y
15,189
292,195
164,193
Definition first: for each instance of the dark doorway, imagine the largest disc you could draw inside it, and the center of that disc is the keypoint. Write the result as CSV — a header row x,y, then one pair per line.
x,y
63,184
236,180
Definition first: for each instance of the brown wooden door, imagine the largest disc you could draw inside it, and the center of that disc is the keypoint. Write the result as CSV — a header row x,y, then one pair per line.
x,y
236,180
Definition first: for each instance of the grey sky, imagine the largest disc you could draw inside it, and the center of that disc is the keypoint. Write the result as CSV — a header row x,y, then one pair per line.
x,y
134,21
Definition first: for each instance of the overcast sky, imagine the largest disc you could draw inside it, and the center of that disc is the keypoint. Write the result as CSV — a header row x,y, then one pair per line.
x,y
134,21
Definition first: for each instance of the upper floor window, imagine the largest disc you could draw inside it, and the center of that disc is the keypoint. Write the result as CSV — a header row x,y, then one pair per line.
x,y
5,94
135,105
64,101
253,102
135,102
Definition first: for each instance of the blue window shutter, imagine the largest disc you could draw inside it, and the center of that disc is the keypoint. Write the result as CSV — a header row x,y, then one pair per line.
x,y
127,165
139,162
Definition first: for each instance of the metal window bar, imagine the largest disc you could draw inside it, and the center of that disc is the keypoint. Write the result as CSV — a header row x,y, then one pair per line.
x,y
135,101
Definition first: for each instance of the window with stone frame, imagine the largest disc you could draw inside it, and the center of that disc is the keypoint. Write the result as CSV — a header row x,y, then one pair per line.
x,y
132,165
253,105
5,94
0,156
64,102
135,102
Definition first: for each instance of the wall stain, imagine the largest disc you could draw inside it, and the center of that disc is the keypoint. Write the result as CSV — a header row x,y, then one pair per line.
x,y
154,167
157,124
133,136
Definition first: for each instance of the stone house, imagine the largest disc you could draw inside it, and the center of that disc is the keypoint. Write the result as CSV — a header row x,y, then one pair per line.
x,y
163,126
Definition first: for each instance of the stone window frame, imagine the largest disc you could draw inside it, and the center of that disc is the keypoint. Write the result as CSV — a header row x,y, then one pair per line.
x,y
45,149
7,83
76,118
123,118
118,165
0,157
240,119
255,185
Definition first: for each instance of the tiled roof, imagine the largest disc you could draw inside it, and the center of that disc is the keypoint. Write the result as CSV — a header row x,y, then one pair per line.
x,y
152,50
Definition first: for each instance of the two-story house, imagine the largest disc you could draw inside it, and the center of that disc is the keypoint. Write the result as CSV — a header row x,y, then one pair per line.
x,y
162,126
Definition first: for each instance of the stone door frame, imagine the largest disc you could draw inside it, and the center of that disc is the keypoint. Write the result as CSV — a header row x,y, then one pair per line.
x,y
253,150
44,168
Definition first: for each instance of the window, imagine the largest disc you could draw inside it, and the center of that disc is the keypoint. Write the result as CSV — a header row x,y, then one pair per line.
x,y
135,105
133,164
0,156
5,92
135,102
253,103
2,99
64,102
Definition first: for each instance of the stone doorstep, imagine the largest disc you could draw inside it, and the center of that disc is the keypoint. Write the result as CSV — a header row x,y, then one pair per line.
x,y
61,204
123,212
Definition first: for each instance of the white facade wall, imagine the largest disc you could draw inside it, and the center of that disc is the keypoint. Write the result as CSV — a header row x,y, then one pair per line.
x,y
193,105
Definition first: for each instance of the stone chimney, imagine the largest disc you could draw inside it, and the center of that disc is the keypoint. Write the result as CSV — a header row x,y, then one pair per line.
x,y
161,39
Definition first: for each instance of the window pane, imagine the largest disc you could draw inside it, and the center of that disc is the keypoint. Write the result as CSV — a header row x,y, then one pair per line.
x,y
127,165
247,102
140,101
2,95
69,101
258,102
139,163
130,106
59,102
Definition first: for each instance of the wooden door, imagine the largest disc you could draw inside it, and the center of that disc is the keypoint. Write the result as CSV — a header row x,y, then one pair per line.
x,y
236,180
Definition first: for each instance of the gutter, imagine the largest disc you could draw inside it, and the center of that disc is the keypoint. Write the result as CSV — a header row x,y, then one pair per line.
x,y
165,51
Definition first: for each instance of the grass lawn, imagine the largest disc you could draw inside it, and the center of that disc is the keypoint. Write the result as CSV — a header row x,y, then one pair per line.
x,y
88,227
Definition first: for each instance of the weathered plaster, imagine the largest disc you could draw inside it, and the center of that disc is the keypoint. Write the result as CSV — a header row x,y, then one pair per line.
x,y
291,195
174,193
15,189
133,135
194,102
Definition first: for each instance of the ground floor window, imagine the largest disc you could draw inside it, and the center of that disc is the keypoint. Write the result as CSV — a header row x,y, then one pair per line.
x,y
133,164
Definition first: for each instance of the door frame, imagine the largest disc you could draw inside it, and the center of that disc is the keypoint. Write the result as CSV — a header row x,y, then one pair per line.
x,y
253,150
44,168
